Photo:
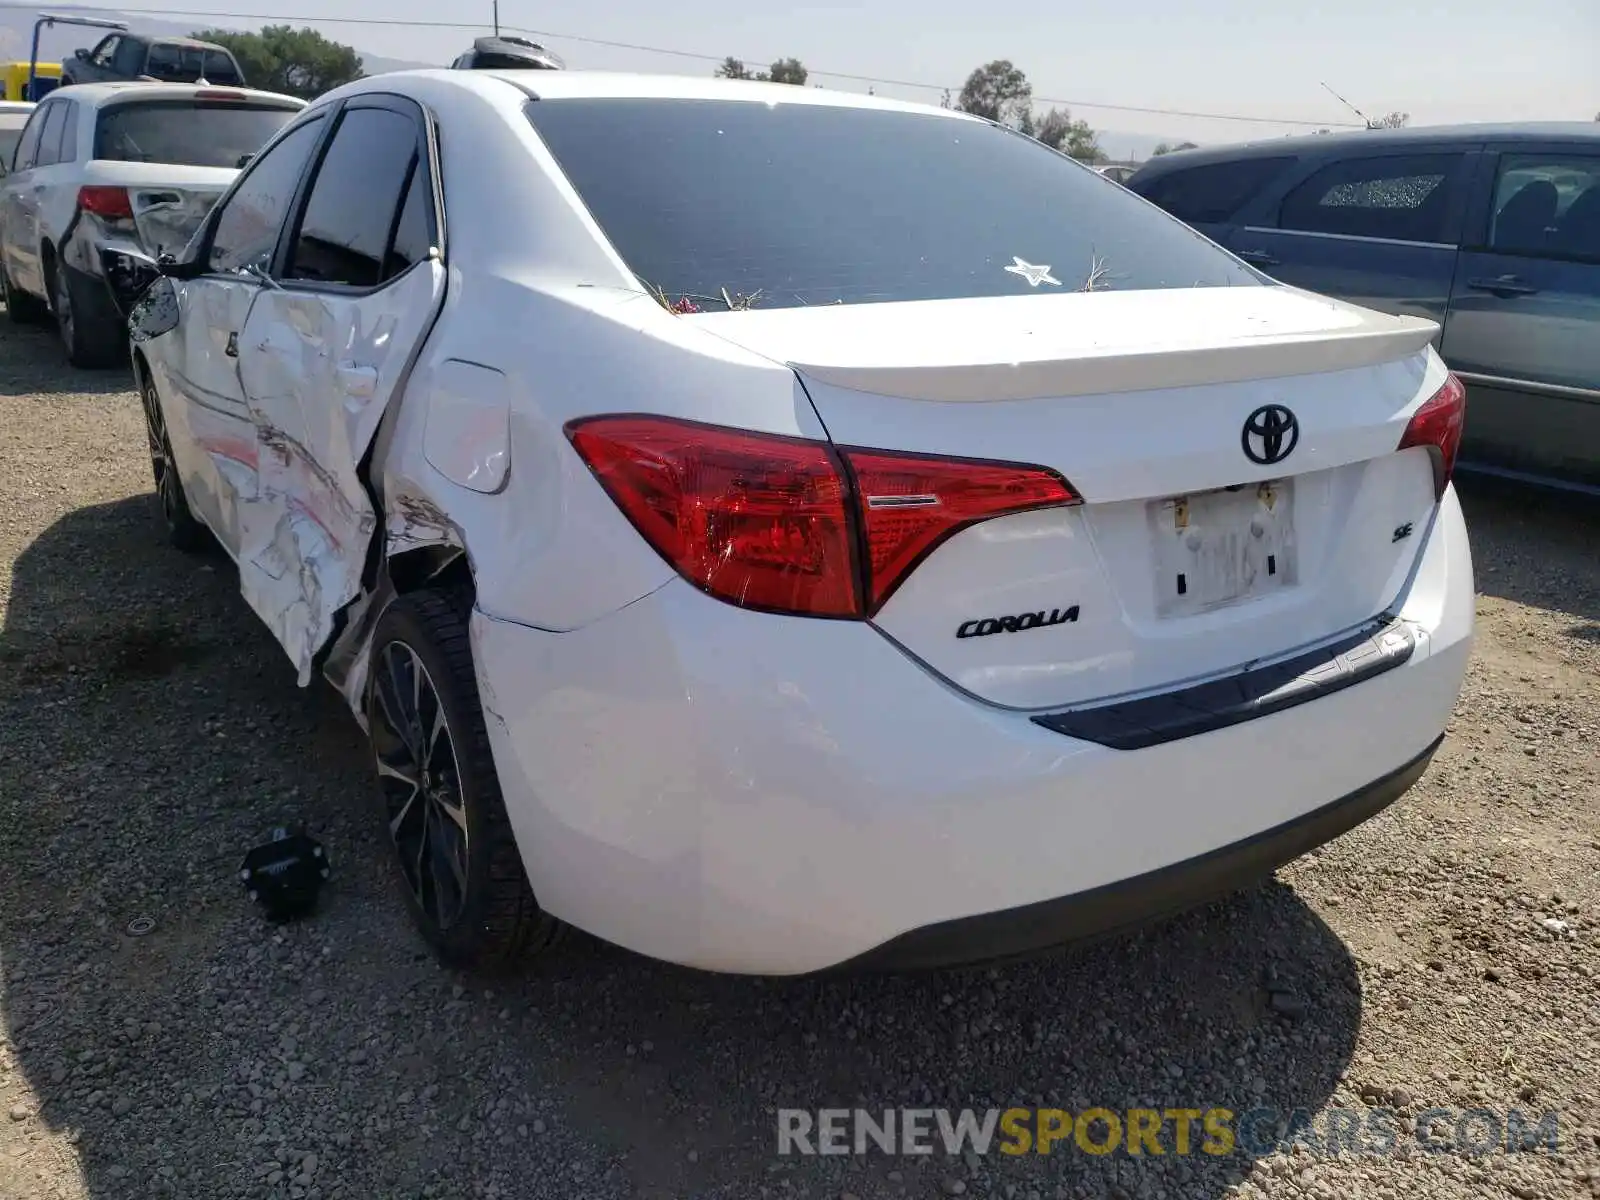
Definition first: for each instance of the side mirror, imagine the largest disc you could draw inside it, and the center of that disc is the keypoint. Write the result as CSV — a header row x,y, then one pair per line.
x,y
81,54
244,160
156,312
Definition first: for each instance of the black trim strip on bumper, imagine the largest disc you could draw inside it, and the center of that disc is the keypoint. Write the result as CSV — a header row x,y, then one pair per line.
x,y
1131,903
1380,646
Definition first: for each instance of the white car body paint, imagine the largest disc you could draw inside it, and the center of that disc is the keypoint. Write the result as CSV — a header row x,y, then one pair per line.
x,y
467,437
744,791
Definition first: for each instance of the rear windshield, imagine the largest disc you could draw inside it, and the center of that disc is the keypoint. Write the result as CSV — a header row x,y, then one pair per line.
x,y
187,133
190,64
790,204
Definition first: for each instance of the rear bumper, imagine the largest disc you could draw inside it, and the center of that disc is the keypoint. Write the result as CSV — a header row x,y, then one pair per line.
x,y
1130,903
742,792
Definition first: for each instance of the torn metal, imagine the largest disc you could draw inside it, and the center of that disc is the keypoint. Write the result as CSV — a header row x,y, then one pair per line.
x,y
318,371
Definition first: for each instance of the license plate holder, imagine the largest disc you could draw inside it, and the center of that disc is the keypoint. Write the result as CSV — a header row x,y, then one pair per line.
x,y
1222,547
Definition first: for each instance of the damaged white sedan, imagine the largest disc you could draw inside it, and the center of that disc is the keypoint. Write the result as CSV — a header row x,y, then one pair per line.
x,y
773,529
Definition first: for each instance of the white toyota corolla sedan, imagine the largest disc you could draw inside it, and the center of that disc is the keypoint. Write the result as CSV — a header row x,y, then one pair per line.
x,y
774,530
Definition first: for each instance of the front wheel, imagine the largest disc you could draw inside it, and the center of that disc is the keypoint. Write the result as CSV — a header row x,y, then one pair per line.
x,y
445,817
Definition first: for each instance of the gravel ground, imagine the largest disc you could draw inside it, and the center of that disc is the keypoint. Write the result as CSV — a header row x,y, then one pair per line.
x,y
1445,954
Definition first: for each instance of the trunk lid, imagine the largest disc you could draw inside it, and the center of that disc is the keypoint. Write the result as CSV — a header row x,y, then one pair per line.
x,y
1187,557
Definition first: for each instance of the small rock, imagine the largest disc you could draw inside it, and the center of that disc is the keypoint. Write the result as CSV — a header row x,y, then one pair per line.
x,y
356,1057
538,1126
121,1106
694,1156
296,1071
1289,1005
953,1187
1400,1098
19,1112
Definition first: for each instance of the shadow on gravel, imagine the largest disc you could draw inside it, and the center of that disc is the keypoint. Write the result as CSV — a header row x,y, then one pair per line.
x,y
34,363
1537,547
150,731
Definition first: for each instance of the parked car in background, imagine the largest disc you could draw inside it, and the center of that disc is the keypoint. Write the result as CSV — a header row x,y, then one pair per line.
x,y
507,53
1492,231
139,57
14,116
1117,172
935,564
107,176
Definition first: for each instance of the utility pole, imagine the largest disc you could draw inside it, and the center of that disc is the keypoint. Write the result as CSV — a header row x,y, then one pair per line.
x,y
497,18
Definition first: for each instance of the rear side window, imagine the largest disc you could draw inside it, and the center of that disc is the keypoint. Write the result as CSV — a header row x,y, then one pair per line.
x,y
1547,205
189,133
1213,192
68,149
793,204
49,151
348,226
1402,197
172,63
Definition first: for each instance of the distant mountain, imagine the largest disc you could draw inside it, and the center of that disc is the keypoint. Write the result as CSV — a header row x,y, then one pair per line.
x,y
59,41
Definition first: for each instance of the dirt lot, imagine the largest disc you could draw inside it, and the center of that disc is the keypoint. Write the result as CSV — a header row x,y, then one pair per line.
x,y
1444,955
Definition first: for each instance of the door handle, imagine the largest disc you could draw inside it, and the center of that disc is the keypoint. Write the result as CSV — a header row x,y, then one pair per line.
x,y
1506,285
232,349
1258,258
357,381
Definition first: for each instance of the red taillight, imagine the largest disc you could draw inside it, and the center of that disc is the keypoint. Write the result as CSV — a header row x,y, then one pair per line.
x,y
110,203
789,525
1437,425
756,520
911,504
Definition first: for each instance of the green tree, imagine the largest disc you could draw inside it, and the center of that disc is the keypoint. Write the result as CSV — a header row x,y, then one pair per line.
x,y
1172,148
788,70
784,70
998,91
297,62
1059,131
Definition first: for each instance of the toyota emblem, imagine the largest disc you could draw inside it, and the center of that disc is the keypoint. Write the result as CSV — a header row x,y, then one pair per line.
x,y
1270,434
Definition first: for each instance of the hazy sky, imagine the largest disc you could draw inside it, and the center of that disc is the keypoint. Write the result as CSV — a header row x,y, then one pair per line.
x,y
1466,60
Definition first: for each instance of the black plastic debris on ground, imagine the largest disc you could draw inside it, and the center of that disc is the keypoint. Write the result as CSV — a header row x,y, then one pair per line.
x,y
284,876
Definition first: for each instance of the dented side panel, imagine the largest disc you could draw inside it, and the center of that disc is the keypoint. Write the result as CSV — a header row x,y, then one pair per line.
x,y
319,368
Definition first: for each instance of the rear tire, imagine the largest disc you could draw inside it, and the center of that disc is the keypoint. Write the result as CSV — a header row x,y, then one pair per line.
x,y
183,530
21,308
458,862
93,339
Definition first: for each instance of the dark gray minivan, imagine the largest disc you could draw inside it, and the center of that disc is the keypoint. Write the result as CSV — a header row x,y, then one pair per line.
x,y
1492,231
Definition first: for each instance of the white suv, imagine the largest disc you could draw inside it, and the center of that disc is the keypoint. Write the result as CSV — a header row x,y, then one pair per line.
x,y
110,174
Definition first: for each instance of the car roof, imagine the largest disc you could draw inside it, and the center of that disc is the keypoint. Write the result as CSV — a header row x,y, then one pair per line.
x,y
160,39
609,85
1345,140
99,95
